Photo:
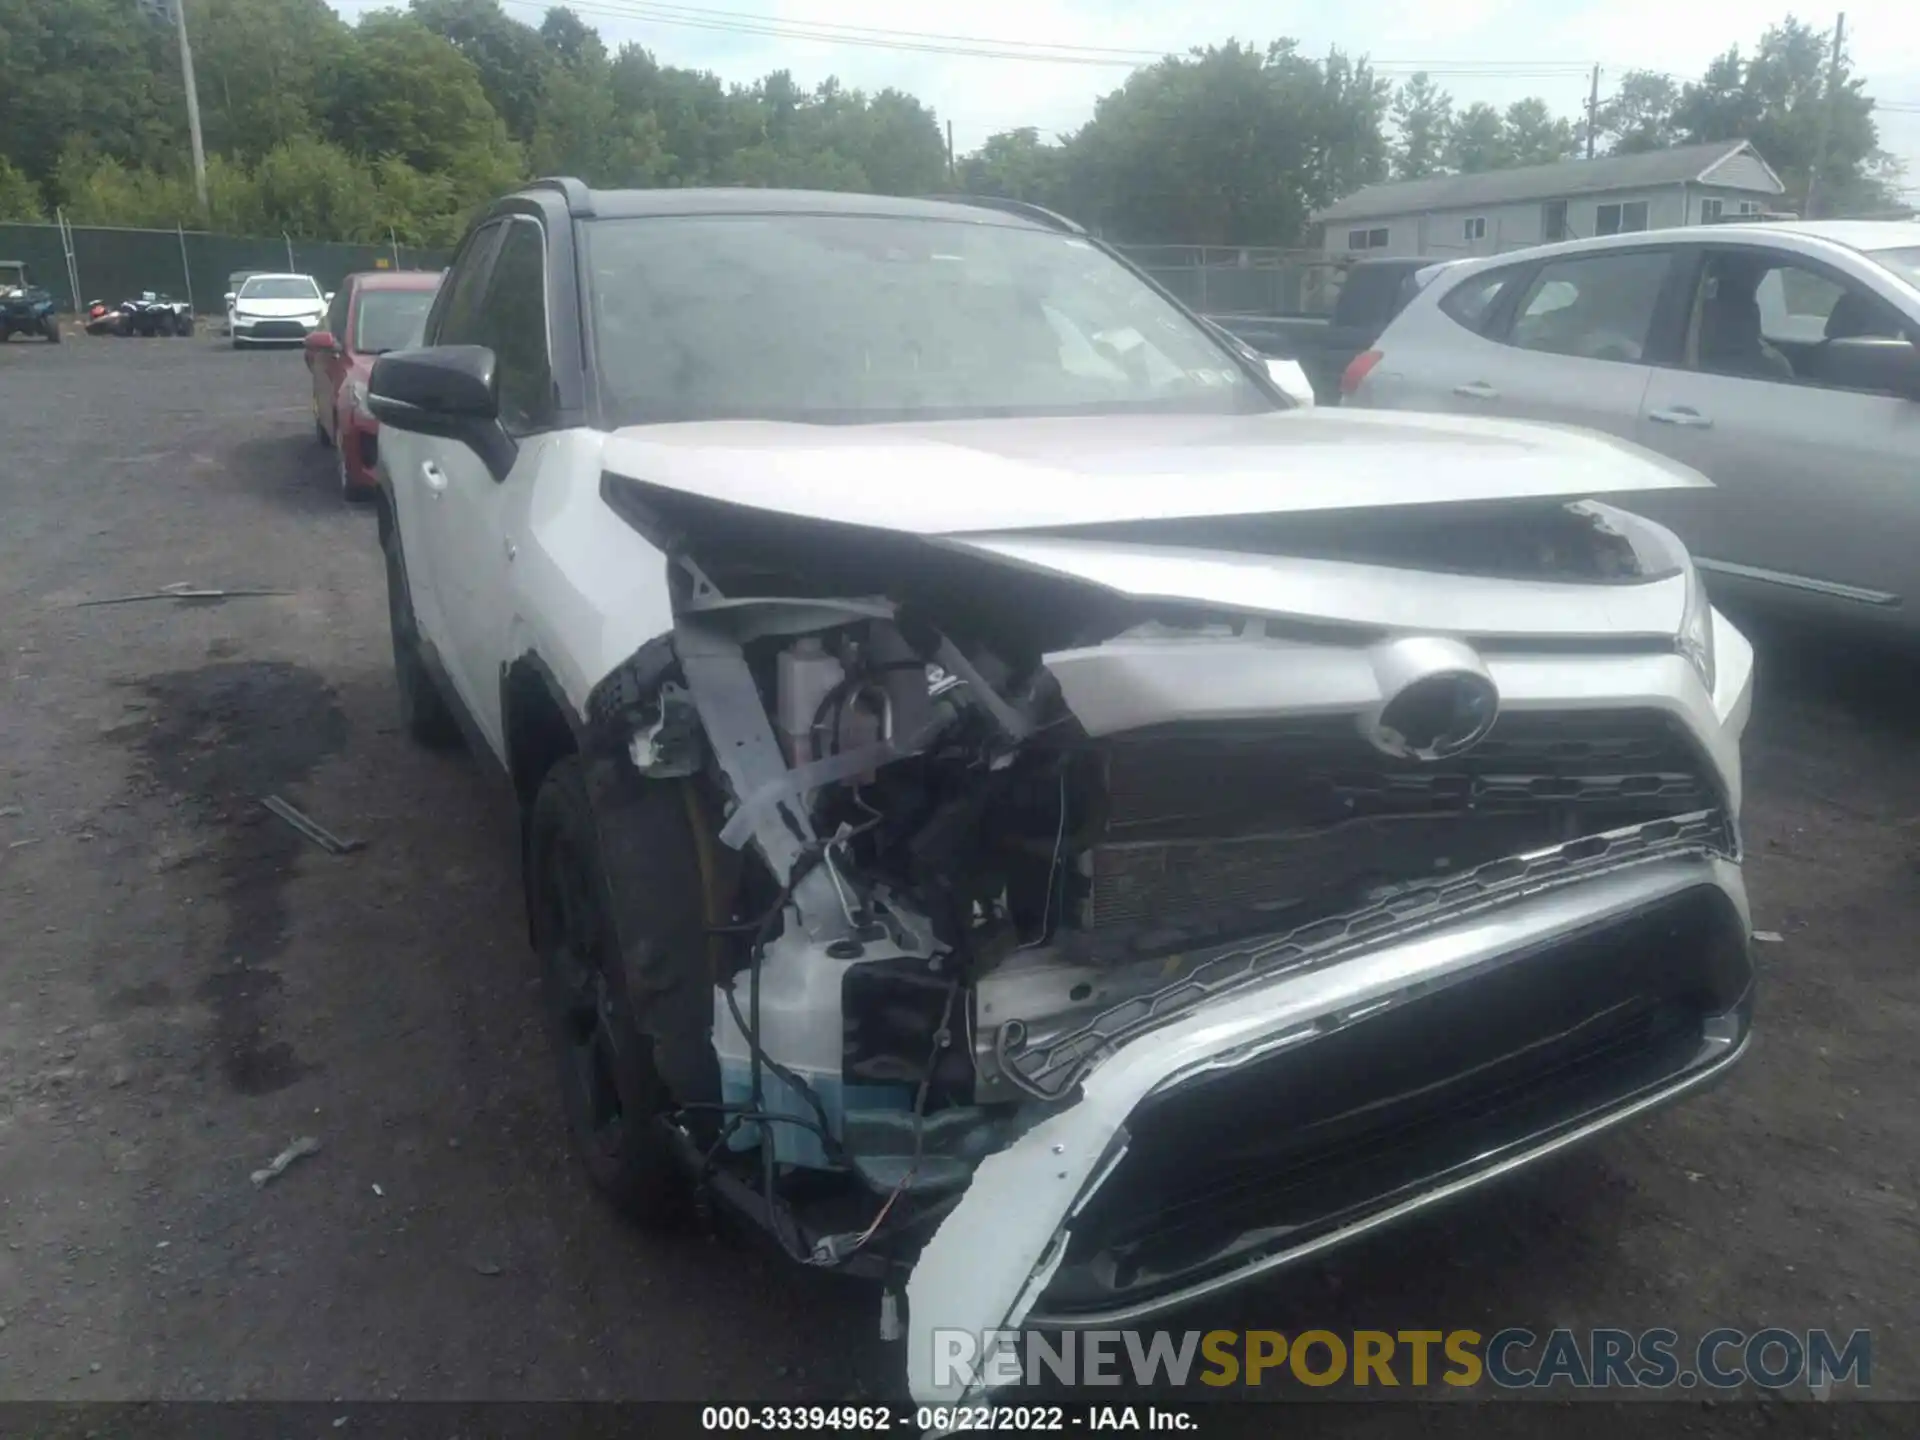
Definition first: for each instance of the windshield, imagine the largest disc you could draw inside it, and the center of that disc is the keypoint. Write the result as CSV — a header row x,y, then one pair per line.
x,y
834,319
389,320
291,288
1904,262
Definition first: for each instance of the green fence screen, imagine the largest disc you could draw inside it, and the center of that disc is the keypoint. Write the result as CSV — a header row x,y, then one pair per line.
x,y
193,264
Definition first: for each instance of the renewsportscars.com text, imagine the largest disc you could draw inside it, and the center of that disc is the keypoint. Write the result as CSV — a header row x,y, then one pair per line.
x,y
1508,1359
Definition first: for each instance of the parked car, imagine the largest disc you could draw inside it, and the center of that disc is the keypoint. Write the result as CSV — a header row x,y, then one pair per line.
x,y
25,308
1372,293
371,313
1782,361
1012,806
275,309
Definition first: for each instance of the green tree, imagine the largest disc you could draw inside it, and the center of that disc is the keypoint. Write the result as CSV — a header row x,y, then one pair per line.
x,y
264,70
19,196
405,91
1779,99
1227,146
583,131
1018,165
1478,141
1423,120
510,58
88,71
1639,115
1534,135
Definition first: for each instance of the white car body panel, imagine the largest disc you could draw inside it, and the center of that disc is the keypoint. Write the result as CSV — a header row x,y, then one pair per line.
x,y
1335,591
971,476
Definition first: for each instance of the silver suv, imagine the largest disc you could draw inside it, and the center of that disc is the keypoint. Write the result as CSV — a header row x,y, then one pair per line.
x,y
1782,361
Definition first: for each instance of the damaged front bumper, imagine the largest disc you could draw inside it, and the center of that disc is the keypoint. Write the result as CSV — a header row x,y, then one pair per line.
x,y
1287,1116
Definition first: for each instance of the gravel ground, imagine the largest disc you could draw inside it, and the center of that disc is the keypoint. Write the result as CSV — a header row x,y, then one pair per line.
x,y
188,986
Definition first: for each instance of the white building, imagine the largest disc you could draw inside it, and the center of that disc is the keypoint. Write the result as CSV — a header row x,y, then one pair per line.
x,y
1452,215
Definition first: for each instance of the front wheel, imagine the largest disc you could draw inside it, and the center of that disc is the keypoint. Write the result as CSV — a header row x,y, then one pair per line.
x,y
615,895
428,719
53,329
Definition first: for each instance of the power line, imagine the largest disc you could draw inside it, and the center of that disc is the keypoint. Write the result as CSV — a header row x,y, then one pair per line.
x,y
740,22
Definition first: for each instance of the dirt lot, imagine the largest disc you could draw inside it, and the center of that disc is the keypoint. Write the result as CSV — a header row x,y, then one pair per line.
x,y
186,985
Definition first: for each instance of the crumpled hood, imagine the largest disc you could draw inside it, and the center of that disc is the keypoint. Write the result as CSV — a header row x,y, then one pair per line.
x,y
970,476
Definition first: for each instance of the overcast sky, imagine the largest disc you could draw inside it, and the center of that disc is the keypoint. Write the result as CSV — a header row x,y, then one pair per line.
x,y
1494,50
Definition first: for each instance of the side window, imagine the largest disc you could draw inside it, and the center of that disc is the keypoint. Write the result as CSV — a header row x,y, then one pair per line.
x,y
1622,219
1596,307
336,321
1476,228
455,312
512,321
1553,220
1470,302
1765,316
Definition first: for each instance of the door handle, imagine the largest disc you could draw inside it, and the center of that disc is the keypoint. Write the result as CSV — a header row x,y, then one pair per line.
x,y
1684,416
435,477
1477,390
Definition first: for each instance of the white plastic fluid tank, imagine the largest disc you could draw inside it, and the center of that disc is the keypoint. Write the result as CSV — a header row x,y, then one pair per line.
x,y
801,1029
804,675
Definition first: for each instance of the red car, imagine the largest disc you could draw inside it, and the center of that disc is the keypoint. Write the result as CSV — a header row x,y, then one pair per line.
x,y
372,312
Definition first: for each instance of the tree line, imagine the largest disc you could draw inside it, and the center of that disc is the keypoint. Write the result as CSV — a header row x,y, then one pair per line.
x,y
403,123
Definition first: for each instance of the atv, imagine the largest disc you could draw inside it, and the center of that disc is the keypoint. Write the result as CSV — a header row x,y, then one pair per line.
x,y
155,314
25,307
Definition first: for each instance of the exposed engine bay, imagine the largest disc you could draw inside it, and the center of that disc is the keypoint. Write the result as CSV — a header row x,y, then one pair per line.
x,y
962,891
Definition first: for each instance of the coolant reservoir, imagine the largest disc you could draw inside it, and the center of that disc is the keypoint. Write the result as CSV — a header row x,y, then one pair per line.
x,y
804,675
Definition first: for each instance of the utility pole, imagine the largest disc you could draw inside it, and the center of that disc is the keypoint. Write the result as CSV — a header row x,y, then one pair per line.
x,y
1826,115
950,170
1593,111
193,107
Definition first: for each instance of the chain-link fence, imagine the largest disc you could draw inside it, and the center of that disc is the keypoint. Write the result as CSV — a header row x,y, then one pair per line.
x,y
1242,280
110,264
80,263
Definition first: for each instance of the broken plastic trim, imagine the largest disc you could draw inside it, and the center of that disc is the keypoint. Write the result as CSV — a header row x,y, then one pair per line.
x,y
1050,1069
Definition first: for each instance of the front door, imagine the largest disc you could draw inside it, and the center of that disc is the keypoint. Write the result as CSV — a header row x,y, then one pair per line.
x,y
1817,497
479,511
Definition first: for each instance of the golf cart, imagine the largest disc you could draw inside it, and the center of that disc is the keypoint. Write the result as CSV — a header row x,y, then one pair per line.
x,y
24,306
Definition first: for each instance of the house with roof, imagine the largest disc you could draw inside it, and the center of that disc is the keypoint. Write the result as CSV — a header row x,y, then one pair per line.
x,y
1497,210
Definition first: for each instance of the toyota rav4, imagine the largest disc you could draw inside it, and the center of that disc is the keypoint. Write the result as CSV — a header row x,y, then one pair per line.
x,y
1011,805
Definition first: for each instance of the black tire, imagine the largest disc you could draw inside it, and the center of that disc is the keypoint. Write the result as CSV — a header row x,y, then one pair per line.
x,y
53,329
617,906
428,718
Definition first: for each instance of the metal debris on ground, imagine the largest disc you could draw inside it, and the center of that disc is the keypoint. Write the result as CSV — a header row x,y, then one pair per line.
x,y
1768,937
178,591
485,1267
325,839
305,1145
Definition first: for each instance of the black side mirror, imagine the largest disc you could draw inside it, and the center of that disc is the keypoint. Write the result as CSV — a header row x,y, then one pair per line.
x,y
452,391
441,390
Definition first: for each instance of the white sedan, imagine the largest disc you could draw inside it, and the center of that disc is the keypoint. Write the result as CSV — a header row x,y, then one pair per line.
x,y
275,309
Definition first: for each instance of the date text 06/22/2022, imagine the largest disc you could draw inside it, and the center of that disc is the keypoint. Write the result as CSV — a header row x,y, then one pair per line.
x,y
943,1419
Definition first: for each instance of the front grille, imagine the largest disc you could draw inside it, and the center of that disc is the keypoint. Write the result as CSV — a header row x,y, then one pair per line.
x,y
1244,1163
1261,817
277,330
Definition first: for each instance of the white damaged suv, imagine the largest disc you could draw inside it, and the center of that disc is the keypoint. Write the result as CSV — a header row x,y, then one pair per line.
x,y
1014,807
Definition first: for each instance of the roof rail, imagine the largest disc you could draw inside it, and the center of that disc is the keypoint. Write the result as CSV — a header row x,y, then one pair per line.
x,y
578,197
1023,208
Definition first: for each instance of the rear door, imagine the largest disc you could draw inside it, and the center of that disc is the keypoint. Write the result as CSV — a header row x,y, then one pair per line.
x,y
1812,455
1571,339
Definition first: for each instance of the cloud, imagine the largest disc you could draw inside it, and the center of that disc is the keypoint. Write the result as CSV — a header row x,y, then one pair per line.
x,y
1493,50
